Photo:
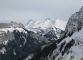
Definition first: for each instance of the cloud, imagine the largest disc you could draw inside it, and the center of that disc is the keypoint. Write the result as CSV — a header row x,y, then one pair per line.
x,y
23,10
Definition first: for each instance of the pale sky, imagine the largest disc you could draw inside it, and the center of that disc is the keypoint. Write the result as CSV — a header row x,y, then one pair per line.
x,y
24,10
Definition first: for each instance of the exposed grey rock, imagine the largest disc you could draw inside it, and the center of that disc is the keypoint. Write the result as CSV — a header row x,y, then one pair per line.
x,y
75,22
11,24
6,36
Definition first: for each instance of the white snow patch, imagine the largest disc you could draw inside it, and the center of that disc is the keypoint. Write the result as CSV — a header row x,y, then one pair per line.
x,y
24,39
5,42
20,45
29,57
3,50
12,29
14,53
60,24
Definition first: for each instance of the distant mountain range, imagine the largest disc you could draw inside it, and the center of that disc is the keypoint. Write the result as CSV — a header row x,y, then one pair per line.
x,y
17,40
48,23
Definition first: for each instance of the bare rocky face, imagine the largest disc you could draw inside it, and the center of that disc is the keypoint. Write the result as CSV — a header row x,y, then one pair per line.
x,y
6,36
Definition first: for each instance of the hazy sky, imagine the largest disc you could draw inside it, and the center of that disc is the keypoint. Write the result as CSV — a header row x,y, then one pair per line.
x,y
24,10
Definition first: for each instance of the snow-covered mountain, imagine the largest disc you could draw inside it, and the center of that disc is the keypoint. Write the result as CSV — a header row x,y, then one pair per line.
x,y
75,22
72,46
51,29
68,47
48,23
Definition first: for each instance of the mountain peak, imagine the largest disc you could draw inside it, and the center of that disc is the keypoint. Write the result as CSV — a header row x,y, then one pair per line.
x,y
75,22
81,8
60,24
48,19
48,23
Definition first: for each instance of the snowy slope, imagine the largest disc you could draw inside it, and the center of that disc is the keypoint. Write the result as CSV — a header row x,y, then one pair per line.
x,y
60,24
12,29
72,46
73,52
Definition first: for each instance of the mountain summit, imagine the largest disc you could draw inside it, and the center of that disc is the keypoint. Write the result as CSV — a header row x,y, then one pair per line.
x,y
48,23
51,29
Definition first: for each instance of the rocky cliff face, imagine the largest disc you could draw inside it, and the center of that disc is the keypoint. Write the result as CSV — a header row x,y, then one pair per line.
x,y
6,30
75,22
16,41
5,36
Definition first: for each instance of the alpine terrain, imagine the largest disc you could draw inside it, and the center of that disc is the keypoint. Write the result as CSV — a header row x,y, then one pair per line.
x,y
17,41
51,29
69,46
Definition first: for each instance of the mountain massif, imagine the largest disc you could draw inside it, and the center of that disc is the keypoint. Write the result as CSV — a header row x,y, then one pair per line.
x,y
51,29
17,40
43,40
69,46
